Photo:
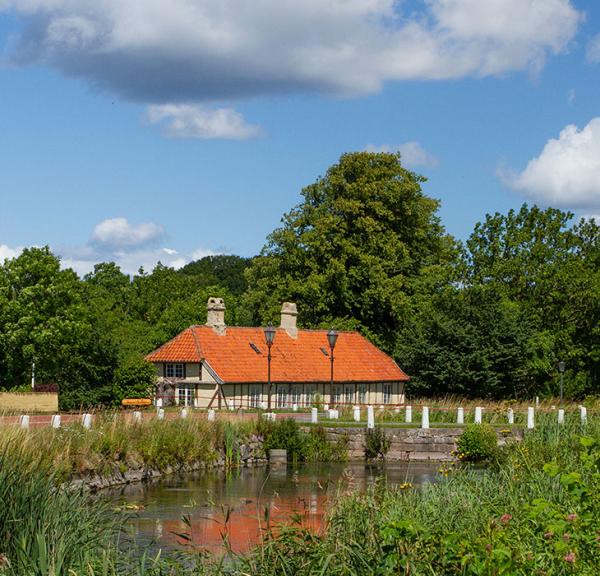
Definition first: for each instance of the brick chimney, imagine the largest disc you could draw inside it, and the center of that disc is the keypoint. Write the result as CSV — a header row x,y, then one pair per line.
x,y
215,317
288,319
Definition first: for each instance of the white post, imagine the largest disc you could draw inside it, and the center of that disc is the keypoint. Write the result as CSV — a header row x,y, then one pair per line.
x,y
33,375
184,413
397,409
330,413
583,415
460,415
511,416
137,417
478,415
314,415
86,421
160,414
263,405
326,407
55,421
561,416
24,421
408,415
211,415
537,401
425,417
370,417
356,411
530,418
295,407
159,403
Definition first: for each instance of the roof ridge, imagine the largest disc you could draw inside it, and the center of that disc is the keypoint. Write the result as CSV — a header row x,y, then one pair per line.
x,y
197,343
325,330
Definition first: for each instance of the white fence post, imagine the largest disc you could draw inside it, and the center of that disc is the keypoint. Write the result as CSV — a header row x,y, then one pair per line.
x,y
137,416
184,413
86,421
314,415
210,415
24,421
408,414
478,415
295,407
425,417
325,407
356,411
160,414
530,418
370,417
460,416
561,416
583,415
55,421
511,416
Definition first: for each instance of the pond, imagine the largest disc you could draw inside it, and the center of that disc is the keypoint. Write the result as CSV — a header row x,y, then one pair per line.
x,y
211,505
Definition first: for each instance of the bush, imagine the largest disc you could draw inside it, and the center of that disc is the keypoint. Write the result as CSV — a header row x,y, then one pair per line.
x,y
477,443
377,443
282,435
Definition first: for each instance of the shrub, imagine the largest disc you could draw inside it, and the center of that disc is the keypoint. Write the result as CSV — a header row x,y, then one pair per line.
x,y
376,444
477,443
283,435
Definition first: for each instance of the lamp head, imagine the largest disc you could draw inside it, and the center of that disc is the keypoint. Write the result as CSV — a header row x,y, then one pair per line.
x,y
269,334
332,337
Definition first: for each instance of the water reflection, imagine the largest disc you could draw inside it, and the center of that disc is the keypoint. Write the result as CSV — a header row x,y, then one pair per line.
x,y
209,507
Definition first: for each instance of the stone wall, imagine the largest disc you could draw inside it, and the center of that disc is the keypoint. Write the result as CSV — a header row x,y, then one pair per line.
x,y
406,443
28,402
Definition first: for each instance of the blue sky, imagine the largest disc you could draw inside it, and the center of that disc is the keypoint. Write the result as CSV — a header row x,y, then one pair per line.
x,y
167,130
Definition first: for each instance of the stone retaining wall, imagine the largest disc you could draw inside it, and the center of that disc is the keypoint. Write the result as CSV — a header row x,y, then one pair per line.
x,y
406,443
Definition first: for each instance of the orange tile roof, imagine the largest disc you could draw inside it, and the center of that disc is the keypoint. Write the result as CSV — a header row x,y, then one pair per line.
x,y
299,359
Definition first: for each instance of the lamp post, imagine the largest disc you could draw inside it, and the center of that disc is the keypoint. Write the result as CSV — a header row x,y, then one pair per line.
x,y
332,337
269,337
561,369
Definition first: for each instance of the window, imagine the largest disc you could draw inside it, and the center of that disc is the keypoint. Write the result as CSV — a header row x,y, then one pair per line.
x,y
362,393
186,394
310,394
387,393
174,371
349,395
335,394
255,397
295,399
282,397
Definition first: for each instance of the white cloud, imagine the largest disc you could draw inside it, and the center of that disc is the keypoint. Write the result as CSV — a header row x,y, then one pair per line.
x,y
6,252
567,172
412,154
118,232
192,51
189,121
593,50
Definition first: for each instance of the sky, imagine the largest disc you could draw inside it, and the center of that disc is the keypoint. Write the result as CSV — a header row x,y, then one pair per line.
x,y
166,130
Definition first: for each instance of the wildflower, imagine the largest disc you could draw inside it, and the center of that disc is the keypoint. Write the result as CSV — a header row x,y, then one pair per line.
x,y
548,535
488,547
566,537
505,518
570,557
571,517
405,486
4,561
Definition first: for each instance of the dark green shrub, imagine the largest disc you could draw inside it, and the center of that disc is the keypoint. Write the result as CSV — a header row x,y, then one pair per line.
x,y
318,449
376,444
478,442
283,435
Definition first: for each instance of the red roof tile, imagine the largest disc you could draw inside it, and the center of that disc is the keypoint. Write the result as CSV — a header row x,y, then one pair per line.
x,y
299,359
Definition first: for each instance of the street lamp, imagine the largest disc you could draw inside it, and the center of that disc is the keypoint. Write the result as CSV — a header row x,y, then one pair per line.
x,y
269,337
332,337
561,369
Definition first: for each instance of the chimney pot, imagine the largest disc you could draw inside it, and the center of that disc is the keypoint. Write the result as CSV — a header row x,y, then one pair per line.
x,y
215,317
289,312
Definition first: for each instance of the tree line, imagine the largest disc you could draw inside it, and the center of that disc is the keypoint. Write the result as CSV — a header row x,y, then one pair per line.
x,y
365,249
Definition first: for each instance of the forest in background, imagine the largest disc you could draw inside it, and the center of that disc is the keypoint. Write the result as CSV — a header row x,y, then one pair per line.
x,y
365,249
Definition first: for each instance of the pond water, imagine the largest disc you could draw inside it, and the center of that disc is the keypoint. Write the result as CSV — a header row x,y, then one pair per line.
x,y
212,505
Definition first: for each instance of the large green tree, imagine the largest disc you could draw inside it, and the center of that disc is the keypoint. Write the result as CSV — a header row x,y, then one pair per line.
x,y
352,252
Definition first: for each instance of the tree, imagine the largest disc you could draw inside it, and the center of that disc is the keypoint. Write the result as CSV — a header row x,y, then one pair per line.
x,y
350,252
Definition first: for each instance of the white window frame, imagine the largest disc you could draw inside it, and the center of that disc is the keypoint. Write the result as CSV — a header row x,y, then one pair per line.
x,y
388,389
309,395
255,393
185,394
349,397
362,393
336,393
175,370
282,397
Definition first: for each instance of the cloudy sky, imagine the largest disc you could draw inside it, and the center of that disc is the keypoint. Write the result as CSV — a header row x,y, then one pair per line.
x,y
139,131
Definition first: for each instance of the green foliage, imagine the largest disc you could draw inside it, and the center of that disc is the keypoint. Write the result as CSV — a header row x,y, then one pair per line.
x,y
376,443
478,442
134,380
223,270
306,446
